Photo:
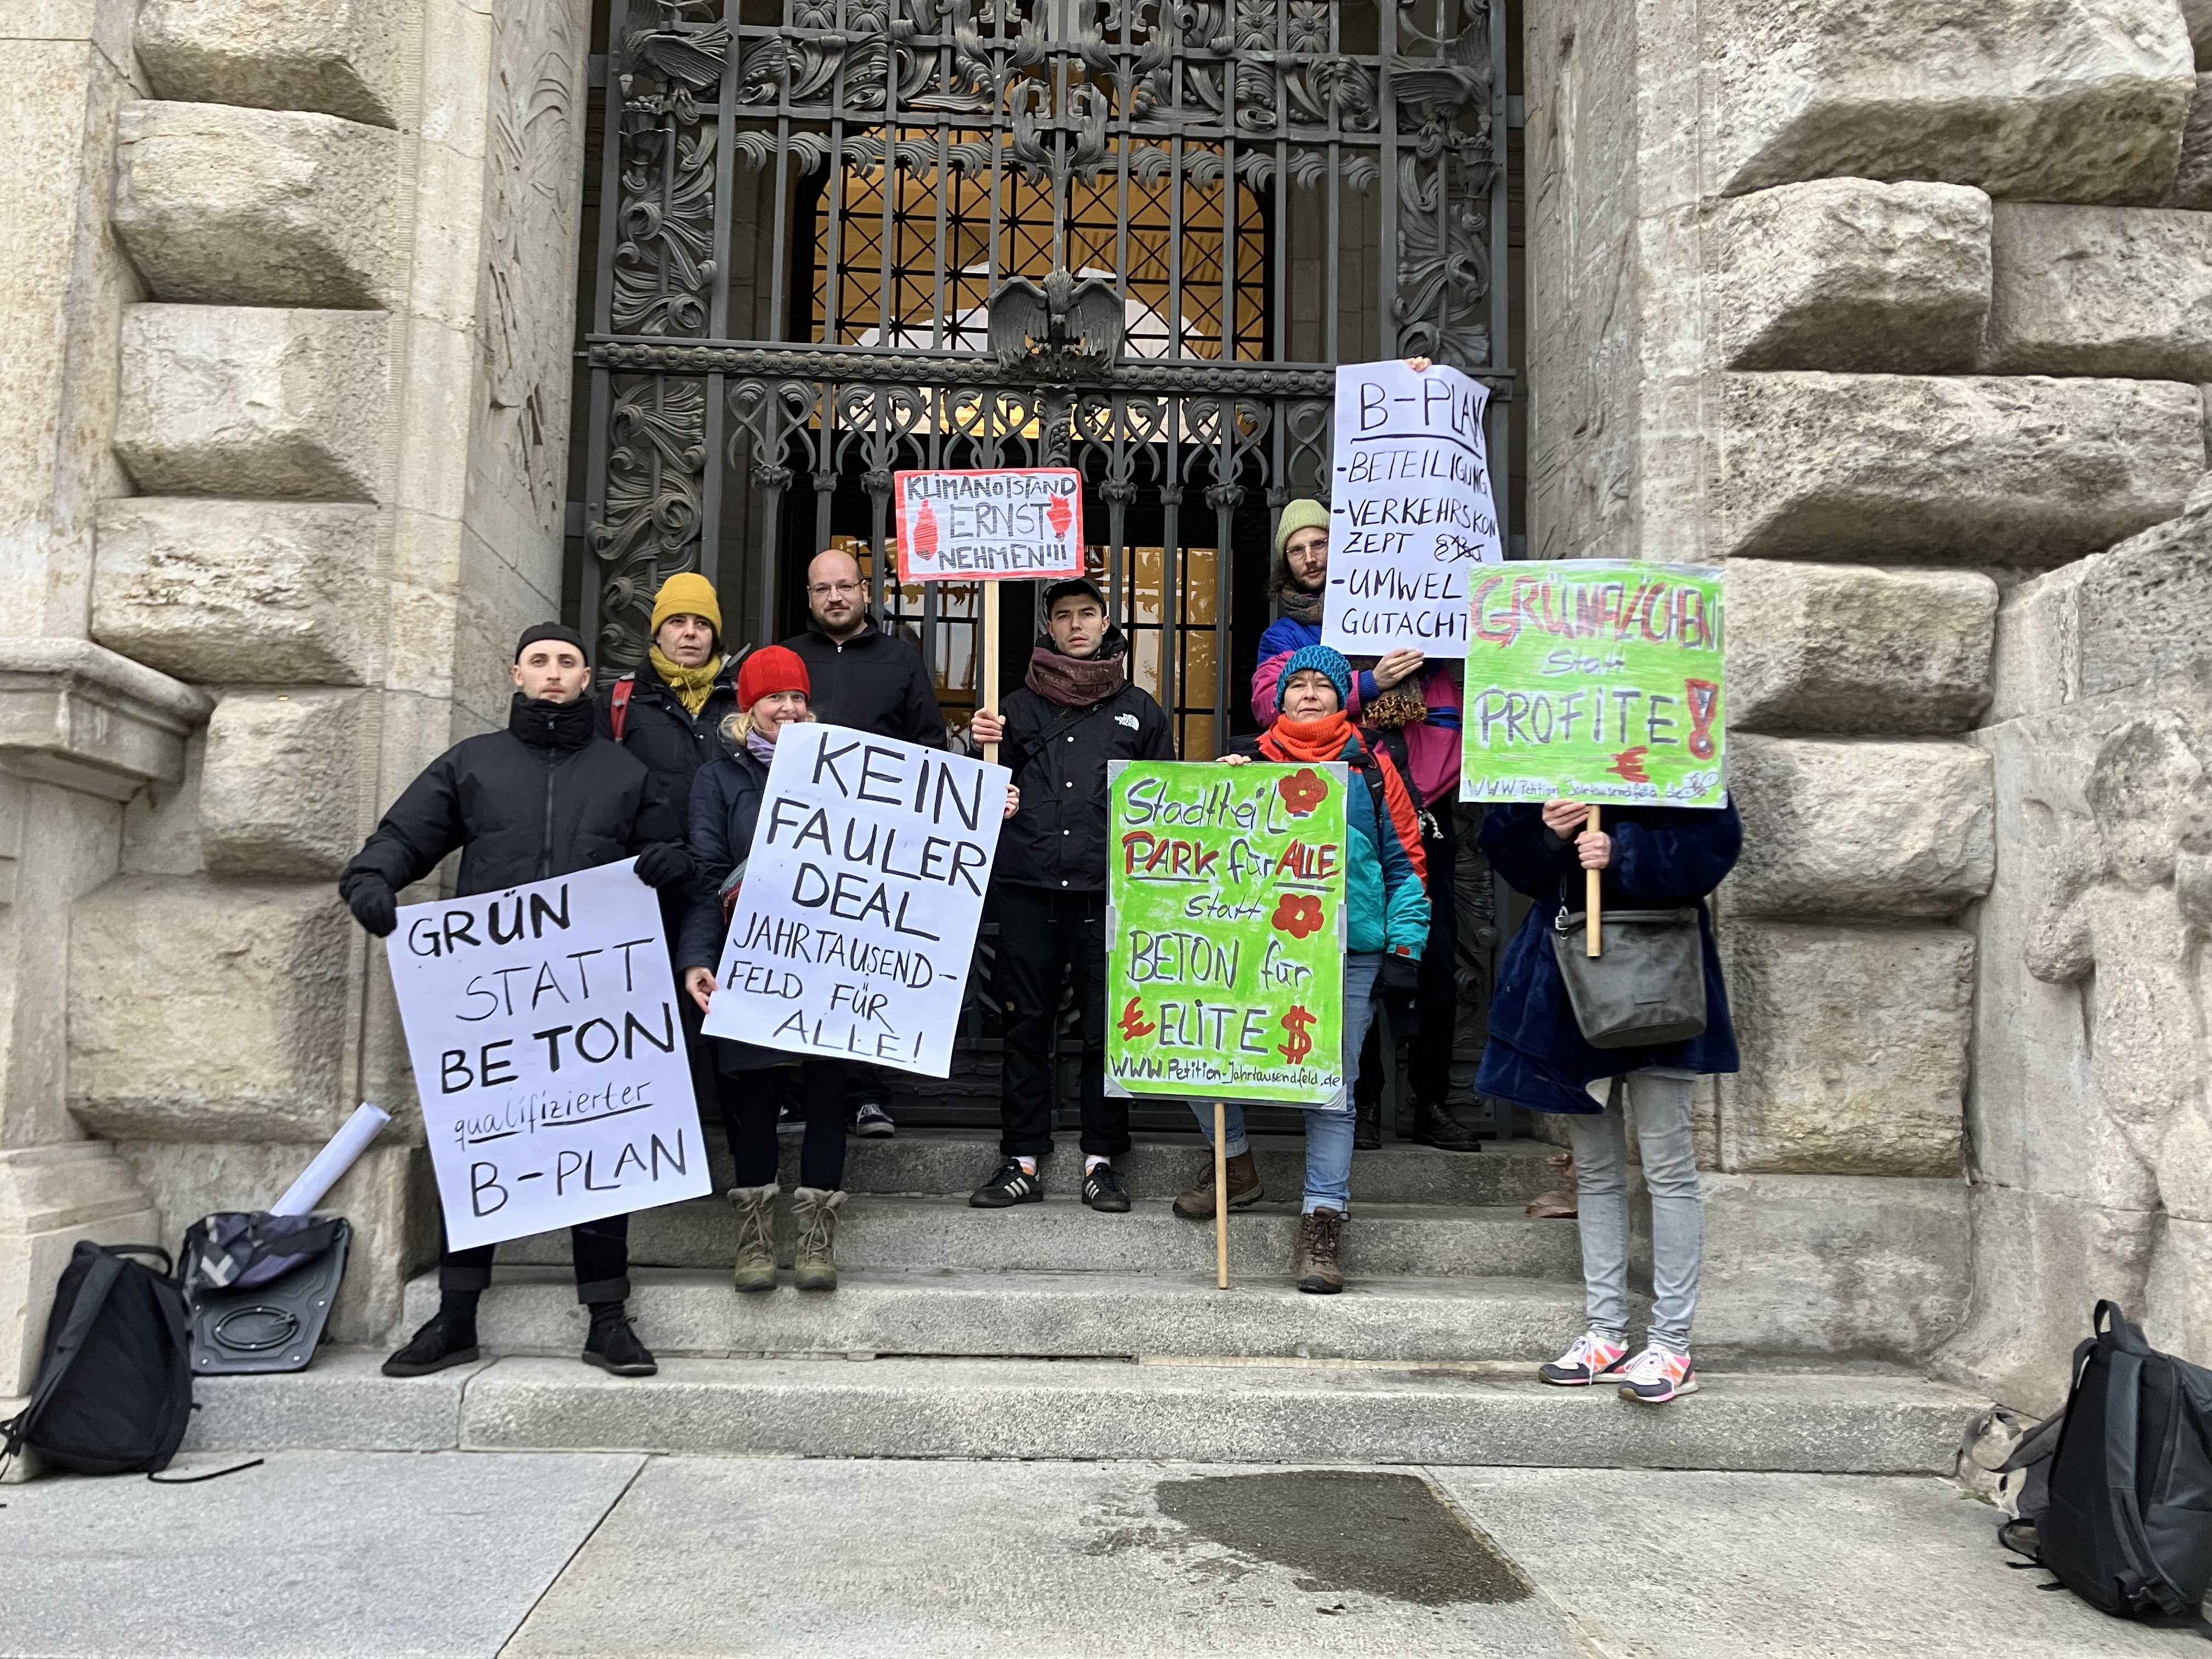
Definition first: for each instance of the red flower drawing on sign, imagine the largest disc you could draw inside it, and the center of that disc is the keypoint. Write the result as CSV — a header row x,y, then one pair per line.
x,y
924,533
1302,791
1061,514
1298,915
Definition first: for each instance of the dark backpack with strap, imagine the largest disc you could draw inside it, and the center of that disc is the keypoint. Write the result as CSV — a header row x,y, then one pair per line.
x,y
2127,1519
115,1384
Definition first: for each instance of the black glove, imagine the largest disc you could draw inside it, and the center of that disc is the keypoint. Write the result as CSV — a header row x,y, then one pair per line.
x,y
1401,976
373,906
663,864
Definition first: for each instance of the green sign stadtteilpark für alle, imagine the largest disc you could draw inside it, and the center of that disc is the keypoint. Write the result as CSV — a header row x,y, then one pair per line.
x,y
1224,955
1594,680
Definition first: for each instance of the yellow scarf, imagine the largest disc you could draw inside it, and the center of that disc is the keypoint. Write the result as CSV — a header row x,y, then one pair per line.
x,y
692,686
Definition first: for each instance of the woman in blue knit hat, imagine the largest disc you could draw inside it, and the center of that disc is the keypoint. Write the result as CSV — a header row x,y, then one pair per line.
x,y
1387,926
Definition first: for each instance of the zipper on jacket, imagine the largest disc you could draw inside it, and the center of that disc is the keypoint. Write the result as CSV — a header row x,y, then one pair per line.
x,y
545,846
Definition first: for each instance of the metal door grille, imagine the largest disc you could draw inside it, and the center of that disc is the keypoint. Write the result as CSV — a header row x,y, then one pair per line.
x,y
841,237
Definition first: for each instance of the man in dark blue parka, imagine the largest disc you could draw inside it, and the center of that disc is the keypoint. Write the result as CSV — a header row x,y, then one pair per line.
x,y
1650,857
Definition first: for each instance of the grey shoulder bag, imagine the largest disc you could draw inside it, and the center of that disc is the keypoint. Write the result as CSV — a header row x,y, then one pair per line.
x,y
1647,989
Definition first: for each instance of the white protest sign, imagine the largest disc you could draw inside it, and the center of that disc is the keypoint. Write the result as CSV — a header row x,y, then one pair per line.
x,y
548,1055
1410,511
856,922
989,524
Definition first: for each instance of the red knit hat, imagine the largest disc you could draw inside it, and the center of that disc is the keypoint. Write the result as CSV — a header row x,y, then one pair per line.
x,y
771,669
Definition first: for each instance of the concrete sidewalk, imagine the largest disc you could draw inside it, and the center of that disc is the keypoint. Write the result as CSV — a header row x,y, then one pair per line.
x,y
461,1553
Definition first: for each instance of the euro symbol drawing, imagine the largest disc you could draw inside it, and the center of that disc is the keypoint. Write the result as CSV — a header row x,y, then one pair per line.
x,y
1297,1022
1134,1024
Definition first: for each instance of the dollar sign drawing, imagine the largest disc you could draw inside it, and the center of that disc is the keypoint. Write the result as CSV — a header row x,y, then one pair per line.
x,y
1297,1023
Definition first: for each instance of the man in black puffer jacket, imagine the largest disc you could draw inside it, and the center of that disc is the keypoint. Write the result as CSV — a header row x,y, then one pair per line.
x,y
547,797
1076,711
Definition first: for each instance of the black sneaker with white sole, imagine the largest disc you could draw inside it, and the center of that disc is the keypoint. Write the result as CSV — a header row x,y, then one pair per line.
x,y
1009,1185
1100,1191
873,1121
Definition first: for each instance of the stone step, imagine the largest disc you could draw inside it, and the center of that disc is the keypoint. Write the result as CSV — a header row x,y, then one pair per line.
x,y
533,1311
1271,1411
1060,1235
954,1162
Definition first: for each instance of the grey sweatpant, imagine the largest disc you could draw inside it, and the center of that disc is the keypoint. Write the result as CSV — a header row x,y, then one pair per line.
x,y
1600,1143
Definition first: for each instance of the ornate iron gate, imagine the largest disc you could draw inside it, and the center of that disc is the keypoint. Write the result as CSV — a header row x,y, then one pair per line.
x,y
840,237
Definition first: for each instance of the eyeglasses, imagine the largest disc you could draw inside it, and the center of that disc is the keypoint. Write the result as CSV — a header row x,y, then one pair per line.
x,y
824,589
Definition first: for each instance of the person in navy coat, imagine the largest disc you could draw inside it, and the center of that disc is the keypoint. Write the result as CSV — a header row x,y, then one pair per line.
x,y
1650,857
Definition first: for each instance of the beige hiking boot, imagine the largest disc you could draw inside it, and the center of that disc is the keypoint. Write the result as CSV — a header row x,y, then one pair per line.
x,y
1320,1232
814,1219
755,1208
1197,1204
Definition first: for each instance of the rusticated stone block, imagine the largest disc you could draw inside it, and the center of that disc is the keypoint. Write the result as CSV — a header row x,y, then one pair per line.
x,y
1860,827
1833,1265
2140,609
2192,179
211,1011
260,593
2094,290
1967,470
229,206
2052,100
1854,1045
1850,274
256,401
1853,648
341,57
278,792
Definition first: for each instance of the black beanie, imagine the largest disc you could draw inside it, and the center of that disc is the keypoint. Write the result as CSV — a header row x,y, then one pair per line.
x,y
548,630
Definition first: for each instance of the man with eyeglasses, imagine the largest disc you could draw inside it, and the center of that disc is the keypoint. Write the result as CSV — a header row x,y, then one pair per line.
x,y
865,676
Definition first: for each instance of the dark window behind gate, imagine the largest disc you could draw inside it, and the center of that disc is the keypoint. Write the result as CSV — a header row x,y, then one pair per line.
x,y
836,238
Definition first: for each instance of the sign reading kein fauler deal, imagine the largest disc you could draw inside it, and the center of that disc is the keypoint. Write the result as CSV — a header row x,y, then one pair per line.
x,y
1411,516
549,1056
1595,680
1224,952
989,524
856,920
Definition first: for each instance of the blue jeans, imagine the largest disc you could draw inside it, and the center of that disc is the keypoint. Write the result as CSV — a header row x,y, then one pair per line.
x,y
1329,1132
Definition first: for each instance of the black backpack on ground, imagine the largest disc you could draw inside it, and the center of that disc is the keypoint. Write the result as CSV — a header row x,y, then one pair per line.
x,y
2126,1519
115,1384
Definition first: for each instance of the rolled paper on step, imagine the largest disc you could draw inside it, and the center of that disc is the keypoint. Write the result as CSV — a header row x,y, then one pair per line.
x,y
332,1163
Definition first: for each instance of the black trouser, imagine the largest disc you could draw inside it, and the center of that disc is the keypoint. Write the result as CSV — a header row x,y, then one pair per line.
x,y
602,1254
1435,996
1040,932
750,1101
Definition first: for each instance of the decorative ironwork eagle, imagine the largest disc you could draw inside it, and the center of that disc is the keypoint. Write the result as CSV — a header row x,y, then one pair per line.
x,y
1064,319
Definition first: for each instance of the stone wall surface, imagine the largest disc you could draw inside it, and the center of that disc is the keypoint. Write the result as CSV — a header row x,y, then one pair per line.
x,y
2100,290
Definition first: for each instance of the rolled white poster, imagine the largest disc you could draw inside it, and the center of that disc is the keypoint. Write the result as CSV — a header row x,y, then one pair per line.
x,y
333,1161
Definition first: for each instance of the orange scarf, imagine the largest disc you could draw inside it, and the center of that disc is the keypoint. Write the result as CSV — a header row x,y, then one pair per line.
x,y
1311,742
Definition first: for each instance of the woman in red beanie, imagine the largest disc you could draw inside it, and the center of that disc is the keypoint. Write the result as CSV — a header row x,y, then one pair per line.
x,y
726,799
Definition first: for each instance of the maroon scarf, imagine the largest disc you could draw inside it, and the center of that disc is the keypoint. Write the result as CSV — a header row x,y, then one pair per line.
x,y
1077,682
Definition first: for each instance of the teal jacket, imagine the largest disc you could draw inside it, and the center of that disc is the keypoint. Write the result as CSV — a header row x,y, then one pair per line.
x,y
1389,907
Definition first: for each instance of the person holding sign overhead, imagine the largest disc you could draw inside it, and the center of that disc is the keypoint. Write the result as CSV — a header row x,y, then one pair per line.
x,y
1075,713
1649,859
868,677
547,797
772,690
1388,929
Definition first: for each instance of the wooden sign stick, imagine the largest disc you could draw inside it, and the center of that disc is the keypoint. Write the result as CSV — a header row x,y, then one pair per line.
x,y
1590,895
1220,1195
991,660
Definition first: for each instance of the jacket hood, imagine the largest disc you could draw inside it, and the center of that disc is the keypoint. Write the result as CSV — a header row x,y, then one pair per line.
x,y
555,725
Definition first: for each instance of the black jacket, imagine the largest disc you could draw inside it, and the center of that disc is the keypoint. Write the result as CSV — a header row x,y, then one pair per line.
x,y
1058,757
546,797
725,802
874,682
671,741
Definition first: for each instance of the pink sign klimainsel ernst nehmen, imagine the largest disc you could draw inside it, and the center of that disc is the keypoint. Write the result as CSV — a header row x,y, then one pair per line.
x,y
1001,524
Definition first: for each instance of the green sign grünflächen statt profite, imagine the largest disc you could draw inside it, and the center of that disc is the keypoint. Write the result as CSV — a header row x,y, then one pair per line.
x,y
1226,929
1594,680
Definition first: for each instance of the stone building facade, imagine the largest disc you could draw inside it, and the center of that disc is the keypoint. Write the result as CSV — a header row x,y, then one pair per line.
x,y
1900,309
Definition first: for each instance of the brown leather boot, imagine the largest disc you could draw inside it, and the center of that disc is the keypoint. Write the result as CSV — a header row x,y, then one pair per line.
x,y
1319,1232
1197,1204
